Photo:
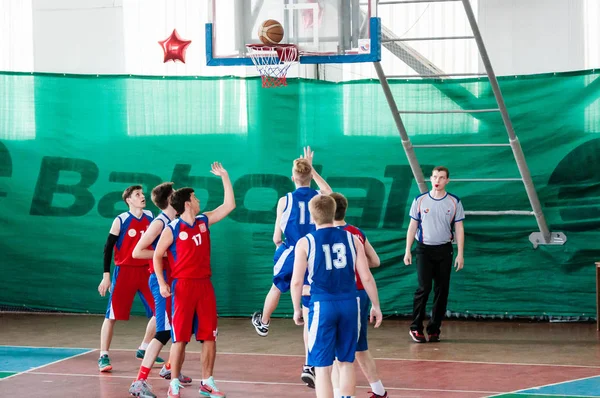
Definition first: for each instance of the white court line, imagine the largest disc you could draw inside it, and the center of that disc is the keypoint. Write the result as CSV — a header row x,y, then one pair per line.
x,y
428,360
50,348
48,364
258,382
548,385
379,359
549,395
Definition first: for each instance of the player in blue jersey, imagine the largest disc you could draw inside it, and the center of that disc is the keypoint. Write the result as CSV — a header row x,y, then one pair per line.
x,y
332,256
294,221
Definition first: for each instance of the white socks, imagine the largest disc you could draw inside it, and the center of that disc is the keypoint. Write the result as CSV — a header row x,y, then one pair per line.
x,y
377,388
143,346
103,353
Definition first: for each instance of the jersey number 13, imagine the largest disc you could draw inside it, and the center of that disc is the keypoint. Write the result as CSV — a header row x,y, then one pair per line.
x,y
339,251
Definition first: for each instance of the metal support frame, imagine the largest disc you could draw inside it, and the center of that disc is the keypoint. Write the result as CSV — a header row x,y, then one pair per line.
x,y
544,236
429,38
408,148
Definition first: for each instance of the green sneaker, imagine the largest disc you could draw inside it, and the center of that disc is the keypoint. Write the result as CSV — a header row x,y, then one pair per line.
x,y
140,355
104,364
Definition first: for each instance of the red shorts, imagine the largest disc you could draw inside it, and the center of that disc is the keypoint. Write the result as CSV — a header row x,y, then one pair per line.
x,y
194,309
127,281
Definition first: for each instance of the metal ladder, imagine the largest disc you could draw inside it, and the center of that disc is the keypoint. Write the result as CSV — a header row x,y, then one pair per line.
x,y
544,236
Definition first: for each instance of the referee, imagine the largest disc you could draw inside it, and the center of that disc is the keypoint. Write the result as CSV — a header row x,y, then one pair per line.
x,y
433,217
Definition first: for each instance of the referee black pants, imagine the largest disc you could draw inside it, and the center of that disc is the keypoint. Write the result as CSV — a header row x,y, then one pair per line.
x,y
434,264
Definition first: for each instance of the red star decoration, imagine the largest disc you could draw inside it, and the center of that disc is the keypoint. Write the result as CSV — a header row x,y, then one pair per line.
x,y
174,47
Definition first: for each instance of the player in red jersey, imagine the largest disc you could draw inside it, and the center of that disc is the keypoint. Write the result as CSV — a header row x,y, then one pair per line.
x,y
145,249
363,356
130,276
187,243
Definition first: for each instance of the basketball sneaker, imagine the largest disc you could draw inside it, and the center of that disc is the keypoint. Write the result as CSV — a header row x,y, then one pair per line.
x,y
104,364
378,396
210,389
140,355
261,328
141,388
434,338
308,375
418,337
165,373
174,388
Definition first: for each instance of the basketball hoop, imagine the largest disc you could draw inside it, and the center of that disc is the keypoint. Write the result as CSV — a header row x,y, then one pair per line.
x,y
273,62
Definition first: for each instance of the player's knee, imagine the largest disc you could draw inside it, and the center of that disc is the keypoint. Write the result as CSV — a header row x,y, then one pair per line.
x,y
163,336
275,289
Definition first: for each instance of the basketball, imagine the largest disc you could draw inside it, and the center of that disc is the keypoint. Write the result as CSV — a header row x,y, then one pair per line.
x,y
270,32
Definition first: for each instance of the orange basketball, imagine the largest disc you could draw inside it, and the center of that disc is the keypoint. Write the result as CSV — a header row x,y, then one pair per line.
x,y
270,32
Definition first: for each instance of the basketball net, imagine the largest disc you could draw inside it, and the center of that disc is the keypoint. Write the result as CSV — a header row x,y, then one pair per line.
x,y
273,62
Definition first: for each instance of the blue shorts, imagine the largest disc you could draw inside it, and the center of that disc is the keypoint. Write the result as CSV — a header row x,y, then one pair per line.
x,y
363,320
332,331
306,301
162,305
284,267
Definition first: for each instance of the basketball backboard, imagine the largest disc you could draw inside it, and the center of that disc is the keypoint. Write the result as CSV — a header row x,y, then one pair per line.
x,y
325,31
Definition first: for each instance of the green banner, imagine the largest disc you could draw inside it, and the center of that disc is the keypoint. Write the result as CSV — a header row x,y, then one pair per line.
x,y
69,145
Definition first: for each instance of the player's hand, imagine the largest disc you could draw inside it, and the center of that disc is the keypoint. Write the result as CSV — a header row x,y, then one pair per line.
x,y
408,258
376,316
308,154
217,169
165,290
104,286
459,262
298,317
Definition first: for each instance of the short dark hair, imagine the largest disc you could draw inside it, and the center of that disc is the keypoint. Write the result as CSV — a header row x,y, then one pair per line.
x,y
161,194
179,197
129,191
341,204
442,168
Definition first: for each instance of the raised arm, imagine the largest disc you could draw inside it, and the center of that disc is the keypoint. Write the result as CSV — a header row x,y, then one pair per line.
x,y
324,187
141,248
166,239
113,236
228,200
277,231
368,282
300,265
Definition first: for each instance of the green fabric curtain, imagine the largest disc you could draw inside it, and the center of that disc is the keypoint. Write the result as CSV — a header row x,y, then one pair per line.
x,y
69,145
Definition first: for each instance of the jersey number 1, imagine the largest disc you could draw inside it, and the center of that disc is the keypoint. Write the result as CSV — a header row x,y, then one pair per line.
x,y
303,213
340,261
